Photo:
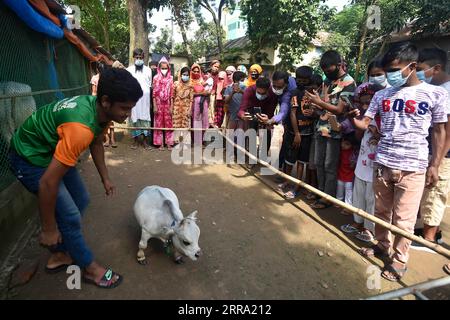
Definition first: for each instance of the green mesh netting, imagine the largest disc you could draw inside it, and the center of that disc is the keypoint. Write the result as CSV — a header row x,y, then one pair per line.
x,y
26,62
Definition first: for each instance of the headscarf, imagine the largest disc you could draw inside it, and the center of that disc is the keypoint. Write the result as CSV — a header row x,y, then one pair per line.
x,y
162,85
242,68
256,67
197,83
221,84
229,78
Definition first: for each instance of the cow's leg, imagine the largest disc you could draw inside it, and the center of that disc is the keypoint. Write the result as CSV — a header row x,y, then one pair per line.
x,y
145,236
177,257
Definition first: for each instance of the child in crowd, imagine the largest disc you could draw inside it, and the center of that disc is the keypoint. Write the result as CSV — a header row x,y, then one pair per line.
x,y
346,169
363,195
298,130
233,97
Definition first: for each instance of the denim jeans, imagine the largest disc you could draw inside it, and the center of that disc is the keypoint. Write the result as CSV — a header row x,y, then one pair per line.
x,y
71,202
327,159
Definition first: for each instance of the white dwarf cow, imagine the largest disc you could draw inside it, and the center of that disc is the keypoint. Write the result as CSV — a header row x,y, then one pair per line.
x,y
157,211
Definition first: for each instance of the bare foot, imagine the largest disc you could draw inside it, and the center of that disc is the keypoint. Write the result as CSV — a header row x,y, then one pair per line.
x,y
58,259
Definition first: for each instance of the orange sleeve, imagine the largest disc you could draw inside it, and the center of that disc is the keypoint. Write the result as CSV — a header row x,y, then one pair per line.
x,y
74,138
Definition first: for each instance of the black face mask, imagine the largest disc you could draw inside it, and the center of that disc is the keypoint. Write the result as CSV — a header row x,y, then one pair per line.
x,y
255,76
301,86
334,75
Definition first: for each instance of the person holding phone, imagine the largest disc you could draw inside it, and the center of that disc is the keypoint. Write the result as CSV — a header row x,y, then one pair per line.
x,y
259,95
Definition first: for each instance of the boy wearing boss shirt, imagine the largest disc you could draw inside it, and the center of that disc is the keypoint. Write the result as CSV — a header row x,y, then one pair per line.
x,y
400,172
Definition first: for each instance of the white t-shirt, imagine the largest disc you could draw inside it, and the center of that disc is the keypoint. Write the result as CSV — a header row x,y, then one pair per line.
x,y
367,153
406,115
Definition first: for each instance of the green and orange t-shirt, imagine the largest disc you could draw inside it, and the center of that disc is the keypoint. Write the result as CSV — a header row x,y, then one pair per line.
x,y
62,129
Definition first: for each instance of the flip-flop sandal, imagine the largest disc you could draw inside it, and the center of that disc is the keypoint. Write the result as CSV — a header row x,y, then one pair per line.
x,y
114,145
291,194
395,274
106,281
374,250
446,268
312,196
320,205
62,267
348,228
365,236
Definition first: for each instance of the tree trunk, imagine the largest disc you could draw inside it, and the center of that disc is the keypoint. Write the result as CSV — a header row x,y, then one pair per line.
x,y
219,37
106,27
360,53
186,44
137,10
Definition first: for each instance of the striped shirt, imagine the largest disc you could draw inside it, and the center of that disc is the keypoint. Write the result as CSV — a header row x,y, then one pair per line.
x,y
406,115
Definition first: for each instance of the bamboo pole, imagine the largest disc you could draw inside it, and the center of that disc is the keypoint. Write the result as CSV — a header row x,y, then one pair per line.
x,y
161,129
435,247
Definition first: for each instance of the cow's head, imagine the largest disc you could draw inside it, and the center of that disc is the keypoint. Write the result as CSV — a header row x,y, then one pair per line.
x,y
186,235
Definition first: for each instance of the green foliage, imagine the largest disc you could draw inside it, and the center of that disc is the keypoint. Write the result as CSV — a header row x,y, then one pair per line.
x,y
163,44
107,22
203,42
288,25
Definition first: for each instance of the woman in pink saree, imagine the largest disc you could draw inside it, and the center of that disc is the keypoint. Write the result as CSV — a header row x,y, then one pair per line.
x,y
162,104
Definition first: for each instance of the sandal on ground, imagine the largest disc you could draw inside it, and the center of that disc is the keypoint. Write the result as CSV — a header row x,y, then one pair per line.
x,y
374,250
106,145
365,236
170,148
161,148
106,282
446,268
282,186
312,196
321,205
291,194
134,147
61,267
114,145
348,228
393,274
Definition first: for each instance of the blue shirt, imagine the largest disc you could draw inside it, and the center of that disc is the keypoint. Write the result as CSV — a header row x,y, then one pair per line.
x,y
285,101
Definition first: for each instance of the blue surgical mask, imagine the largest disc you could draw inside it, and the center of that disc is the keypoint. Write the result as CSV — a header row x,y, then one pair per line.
x,y
380,80
422,77
242,85
139,62
396,78
185,78
260,96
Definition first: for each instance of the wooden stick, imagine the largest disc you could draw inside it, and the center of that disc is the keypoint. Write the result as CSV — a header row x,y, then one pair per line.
x,y
162,129
435,247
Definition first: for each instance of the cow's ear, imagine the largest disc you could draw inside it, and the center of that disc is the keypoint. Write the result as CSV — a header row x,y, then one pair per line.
x,y
193,215
168,231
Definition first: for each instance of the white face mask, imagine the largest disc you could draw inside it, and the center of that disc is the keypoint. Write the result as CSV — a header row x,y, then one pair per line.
x,y
164,72
139,62
278,92
380,80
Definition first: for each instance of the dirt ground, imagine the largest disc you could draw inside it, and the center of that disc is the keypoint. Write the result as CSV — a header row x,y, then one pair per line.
x,y
256,244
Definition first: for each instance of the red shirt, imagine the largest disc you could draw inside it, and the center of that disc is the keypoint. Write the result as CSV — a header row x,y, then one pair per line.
x,y
346,171
249,100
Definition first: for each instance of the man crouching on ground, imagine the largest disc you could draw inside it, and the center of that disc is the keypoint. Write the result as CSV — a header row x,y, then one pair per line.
x,y
43,155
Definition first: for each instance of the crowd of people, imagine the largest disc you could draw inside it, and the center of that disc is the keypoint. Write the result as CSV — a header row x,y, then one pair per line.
x,y
381,146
